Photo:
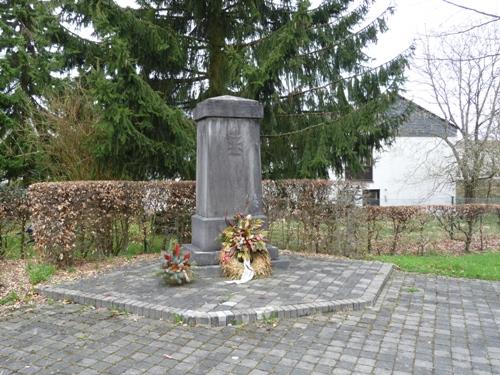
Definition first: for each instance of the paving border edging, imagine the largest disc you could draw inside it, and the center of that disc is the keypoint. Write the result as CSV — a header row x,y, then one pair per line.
x,y
223,318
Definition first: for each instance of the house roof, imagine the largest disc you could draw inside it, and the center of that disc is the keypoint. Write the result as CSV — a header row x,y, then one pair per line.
x,y
420,121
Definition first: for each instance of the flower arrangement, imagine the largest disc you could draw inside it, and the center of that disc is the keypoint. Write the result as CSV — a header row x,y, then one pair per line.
x,y
244,239
176,267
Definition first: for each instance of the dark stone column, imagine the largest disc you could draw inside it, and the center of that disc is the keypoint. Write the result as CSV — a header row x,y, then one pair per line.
x,y
228,170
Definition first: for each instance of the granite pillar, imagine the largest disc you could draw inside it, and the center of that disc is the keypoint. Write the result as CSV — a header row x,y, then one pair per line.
x,y
228,171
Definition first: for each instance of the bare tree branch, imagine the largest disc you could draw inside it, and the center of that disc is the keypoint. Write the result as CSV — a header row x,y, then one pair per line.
x,y
440,35
472,9
472,58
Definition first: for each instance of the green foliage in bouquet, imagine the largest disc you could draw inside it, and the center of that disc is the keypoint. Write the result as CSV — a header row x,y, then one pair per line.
x,y
176,267
243,238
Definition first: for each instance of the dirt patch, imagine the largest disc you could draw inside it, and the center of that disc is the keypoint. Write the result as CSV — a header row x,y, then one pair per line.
x,y
14,283
14,280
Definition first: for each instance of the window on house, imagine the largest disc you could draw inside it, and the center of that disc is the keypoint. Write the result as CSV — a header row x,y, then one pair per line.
x,y
371,197
365,174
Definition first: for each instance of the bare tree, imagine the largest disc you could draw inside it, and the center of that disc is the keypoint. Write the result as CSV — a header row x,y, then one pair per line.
x,y
462,71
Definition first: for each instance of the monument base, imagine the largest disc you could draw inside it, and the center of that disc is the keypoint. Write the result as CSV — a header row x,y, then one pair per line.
x,y
214,271
211,258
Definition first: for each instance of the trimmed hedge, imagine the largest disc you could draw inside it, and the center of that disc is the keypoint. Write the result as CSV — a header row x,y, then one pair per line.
x,y
322,216
96,215
326,217
314,215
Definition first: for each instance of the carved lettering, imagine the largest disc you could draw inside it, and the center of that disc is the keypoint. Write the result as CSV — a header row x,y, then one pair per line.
x,y
234,142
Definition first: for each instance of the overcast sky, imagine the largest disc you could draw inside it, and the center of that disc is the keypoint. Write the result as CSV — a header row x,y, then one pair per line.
x,y
411,20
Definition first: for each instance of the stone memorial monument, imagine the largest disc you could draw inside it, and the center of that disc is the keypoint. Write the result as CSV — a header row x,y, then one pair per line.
x,y
228,171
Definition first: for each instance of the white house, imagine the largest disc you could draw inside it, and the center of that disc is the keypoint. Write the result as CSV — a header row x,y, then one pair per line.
x,y
412,170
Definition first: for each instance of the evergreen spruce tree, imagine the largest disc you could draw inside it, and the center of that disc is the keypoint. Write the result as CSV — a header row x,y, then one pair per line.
x,y
149,66
324,103
140,135
29,55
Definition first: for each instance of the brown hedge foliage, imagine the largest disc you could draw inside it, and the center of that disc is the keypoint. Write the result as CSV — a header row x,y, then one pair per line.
x,y
314,215
463,222
325,216
13,202
309,215
400,216
171,210
67,214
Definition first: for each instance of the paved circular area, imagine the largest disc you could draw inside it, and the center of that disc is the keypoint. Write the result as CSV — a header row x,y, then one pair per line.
x,y
419,325
308,286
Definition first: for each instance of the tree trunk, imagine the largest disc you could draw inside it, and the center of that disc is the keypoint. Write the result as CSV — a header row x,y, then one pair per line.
x,y
481,237
469,195
2,248
144,226
22,248
395,238
469,192
348,246
215,35
120,235
468,235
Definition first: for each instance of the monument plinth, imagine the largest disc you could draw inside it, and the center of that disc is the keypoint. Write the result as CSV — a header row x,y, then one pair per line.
x,y
228,171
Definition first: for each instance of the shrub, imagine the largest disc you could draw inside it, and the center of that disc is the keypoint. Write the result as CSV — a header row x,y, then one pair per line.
x,y
422,219
95,216
400,217
460,222
325,216
170,207
69,135
321,216
373,218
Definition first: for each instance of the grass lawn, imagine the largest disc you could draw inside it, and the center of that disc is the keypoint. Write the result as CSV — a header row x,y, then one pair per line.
x,y
484,266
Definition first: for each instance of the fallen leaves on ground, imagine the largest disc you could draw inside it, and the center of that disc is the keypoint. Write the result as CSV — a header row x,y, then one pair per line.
x,y
14,278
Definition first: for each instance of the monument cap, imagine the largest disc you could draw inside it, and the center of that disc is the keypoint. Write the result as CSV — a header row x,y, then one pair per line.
x,y
228,106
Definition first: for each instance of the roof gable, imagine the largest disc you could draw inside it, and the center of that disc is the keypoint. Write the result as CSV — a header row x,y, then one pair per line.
x,y
421,122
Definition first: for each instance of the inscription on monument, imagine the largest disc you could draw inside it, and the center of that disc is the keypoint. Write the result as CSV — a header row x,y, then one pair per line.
x,y
234,141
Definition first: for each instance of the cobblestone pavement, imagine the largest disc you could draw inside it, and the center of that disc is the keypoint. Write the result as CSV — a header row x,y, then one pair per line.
x,y
306,287
419,325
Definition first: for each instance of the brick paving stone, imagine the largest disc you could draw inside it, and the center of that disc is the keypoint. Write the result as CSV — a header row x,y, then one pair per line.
x,y
306,287
450,326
